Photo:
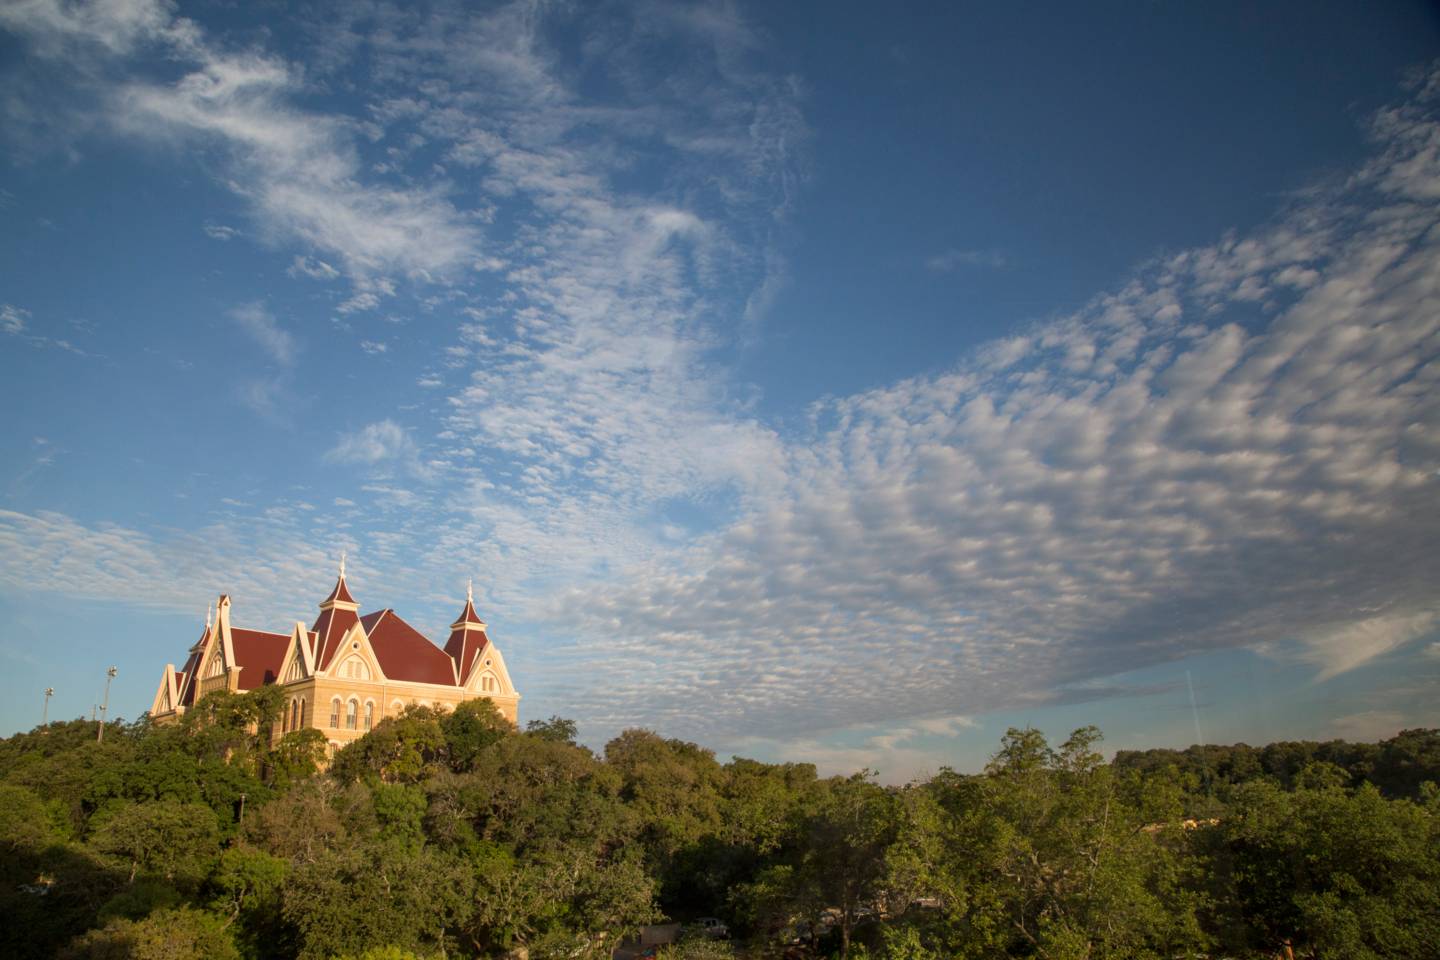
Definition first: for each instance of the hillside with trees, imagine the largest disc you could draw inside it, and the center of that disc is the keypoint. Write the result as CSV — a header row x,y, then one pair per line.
x,y
454,835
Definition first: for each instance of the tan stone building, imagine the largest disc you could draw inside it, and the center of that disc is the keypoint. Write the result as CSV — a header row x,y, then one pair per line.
x,y
345,673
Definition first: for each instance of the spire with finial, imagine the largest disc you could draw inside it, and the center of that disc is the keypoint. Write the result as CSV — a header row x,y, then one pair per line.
x,y
340,596
209,611
469,619
467,635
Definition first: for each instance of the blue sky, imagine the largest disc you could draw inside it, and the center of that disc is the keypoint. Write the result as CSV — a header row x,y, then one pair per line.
x,y
809,382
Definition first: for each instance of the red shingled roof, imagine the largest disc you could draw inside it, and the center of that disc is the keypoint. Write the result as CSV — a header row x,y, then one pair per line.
x,y
259,655
329,629
340,593
462,647
468,615
404,653
185,678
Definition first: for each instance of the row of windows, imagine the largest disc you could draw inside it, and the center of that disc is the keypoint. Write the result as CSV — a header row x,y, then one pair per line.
x,y
295,717
352,711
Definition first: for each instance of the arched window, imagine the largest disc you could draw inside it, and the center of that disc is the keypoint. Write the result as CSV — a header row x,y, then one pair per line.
x,y
302,711
335,712
355,669
350,714
369,714
294,714
397,707
489,684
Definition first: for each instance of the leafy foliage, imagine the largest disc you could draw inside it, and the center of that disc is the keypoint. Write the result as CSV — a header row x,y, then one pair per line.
x,y
452,834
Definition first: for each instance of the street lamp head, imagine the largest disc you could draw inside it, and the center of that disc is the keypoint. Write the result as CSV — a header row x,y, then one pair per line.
x,y
110,673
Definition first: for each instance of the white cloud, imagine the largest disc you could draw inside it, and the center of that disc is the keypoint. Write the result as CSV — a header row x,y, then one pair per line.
x,y
13,318
374,347
260,325
360,301
314,268
218,231
1137,483
374,443
114,26
1336,649
298,169
266,397
15,322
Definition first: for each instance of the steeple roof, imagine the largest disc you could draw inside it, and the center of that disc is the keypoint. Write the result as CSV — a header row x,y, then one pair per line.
x,y
467,637
340,593
468,616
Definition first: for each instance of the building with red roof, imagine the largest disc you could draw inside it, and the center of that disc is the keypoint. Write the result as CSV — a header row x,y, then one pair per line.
x,y
344,673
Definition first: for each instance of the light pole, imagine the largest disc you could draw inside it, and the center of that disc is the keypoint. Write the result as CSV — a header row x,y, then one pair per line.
x,y
45,714
100,734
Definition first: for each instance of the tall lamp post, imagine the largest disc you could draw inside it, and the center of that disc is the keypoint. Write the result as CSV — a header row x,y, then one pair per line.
x,y
45,714
100,734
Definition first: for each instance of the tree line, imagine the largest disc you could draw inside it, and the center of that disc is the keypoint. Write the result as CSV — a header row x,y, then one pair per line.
x,y
452,834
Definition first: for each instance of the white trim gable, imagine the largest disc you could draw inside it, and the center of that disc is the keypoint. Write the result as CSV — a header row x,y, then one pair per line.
x,y
208,653
299,661
166,695
495,667
344,652
227,645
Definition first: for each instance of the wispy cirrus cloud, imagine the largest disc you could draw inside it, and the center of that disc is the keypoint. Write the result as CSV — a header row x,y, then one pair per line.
x,y
299,169
260,325
12,319
15,322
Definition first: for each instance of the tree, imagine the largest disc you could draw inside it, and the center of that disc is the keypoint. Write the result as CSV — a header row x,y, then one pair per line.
x,y
557,729
470,729
376,893
1346,874
25,820
179,933
176,841
403,749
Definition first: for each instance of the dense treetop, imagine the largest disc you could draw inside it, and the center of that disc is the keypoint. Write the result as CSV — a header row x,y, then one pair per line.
x,y
453,834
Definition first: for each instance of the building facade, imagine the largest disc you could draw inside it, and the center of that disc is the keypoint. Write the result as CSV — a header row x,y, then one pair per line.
x,y
345,673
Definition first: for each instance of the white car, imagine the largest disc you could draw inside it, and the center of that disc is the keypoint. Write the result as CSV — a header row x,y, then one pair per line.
x,y
713,928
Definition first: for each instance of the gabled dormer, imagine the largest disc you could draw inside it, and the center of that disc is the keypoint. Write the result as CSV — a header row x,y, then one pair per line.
x,y
299,662
167,697
354,658
217,666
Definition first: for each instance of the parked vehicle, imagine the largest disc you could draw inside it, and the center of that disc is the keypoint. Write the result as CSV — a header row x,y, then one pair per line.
x,y
713,928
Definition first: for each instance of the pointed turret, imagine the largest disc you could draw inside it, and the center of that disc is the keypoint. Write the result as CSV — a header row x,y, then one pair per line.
x,y
340,596
467,636
338,613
